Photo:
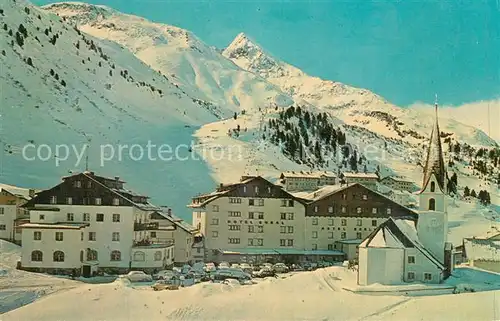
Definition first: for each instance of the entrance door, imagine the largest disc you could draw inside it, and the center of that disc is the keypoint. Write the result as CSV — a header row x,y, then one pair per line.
x,y
86,271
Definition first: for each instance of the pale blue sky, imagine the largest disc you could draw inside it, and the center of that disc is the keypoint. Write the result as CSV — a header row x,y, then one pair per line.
x,y
405,52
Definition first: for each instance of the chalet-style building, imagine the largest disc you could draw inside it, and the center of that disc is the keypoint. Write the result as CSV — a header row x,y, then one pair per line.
x,y
306,181
172,229
12,212
483,251
399,183
367,179
88,223
257,218
402,250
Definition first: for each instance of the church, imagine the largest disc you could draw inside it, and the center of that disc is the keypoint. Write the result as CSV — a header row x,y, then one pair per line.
x,y
403,251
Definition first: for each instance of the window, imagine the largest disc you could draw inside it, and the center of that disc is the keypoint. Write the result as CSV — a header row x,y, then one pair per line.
x,y
330,209
343,209
98,201
215,208
374,222
42,217
260,202
432,204
343,222
289,216
359,210
81,236
116,218
359,222
374,210
343,235
234,200
330,247
69,200
251,229
59,236
234,240
260,215
89,184
256,190
433,187
116,201
330,235
358,235
315,209
411,276
92,236
139,256
244,188
37,256
158,255
78,184
91,255
234,227
1,210
365,197
283,216
260,242
235,214
215,234
315,235
86,217
215,221
282,242
315,221
250,202
315,247
389,211
289,229
290,203
344,196
250,242
411,260
3,227
70,217
289,242
37,236
251,215
53,200
427,277
116,256
115,237
58,256
99,217
283,203
260,229
330,221
152,234
282,229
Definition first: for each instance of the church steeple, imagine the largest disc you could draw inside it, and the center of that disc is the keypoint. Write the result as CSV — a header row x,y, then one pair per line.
x,y
434,164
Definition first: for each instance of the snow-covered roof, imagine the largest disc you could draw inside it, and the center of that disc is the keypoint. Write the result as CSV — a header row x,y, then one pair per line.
x,y
398,233
319,193
176,221
398,179
360,175
304,174
482,249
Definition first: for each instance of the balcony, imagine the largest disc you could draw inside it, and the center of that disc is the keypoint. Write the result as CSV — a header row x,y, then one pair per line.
x,y
146,226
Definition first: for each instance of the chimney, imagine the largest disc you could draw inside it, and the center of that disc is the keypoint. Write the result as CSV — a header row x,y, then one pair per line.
x,y
117,178
169,212
31,193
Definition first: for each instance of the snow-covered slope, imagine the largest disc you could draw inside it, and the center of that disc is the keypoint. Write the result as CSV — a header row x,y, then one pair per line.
x,y
196,67
355,106
61,86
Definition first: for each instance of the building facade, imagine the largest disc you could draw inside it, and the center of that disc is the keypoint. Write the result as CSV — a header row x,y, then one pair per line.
x,y
399,183
483,252
90,222
413,250
367,179
256,217
306,181
11,211
175,230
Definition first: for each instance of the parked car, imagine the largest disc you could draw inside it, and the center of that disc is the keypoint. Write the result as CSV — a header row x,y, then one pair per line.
x,y
210,267
308,266
235,266
163,285
267,266
263,273
138,276
229,273
280,268
186,269
224,265
247,268
165,275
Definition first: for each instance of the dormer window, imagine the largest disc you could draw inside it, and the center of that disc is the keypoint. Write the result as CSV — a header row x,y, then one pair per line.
x,y
98,201
116,201
69,200
244,188
256,190
269,190
433,187
89,184
53,200
78,184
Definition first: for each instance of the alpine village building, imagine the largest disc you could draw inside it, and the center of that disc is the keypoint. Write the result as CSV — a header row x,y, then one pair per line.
x,y
256,220
89,223
403,250
12,214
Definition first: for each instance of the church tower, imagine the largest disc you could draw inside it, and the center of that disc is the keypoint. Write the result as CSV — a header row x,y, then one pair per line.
x,y
432,226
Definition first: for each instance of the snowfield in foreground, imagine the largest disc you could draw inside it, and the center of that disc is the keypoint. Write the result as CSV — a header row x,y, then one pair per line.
x,y
317,295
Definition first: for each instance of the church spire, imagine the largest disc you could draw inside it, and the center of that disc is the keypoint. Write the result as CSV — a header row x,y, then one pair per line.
x,y
434,163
